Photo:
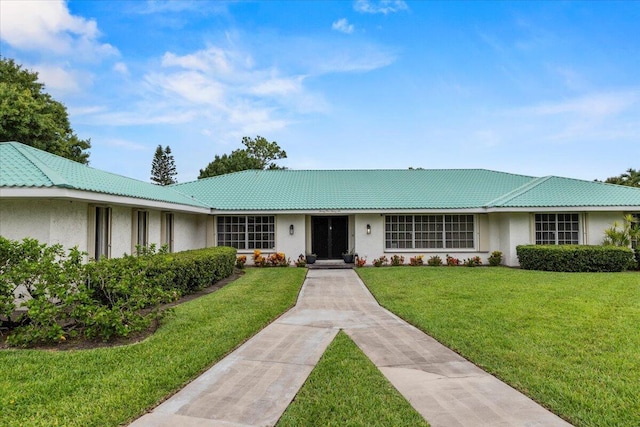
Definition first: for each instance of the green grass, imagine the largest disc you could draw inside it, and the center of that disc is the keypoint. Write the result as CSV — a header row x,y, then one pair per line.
x,y
571,341
346,389
111,386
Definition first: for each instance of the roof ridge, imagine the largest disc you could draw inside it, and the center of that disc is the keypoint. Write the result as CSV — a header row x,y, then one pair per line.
x,y
524,188
56,179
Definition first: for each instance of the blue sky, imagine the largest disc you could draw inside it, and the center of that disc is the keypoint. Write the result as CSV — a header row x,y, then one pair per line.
x,y
536,88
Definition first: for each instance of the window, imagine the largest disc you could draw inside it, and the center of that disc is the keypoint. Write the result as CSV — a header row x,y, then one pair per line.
x,y
429,232
634,242
557,229
102,233
246,232
167,230
142,228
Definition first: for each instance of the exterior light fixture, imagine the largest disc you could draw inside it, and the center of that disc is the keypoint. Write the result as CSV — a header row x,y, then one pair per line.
x,y
291,229
368,228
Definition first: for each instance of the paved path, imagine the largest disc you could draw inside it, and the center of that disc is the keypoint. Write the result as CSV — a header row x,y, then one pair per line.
x,y
255,384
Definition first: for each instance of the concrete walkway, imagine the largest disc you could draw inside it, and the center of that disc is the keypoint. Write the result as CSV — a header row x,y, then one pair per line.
x,y
255,384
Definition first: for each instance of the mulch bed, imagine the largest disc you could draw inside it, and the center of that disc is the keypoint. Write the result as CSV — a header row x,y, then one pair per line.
x,y
84,344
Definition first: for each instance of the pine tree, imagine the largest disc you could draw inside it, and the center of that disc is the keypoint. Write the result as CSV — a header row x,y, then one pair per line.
x,y
163,167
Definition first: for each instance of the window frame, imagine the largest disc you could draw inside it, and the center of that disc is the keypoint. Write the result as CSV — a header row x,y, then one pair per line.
x,y
557,226
246,232
140,229
431,232
167,230
100,230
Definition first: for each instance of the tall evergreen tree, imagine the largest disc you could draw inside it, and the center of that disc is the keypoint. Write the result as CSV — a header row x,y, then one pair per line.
x,y
31,116
163,167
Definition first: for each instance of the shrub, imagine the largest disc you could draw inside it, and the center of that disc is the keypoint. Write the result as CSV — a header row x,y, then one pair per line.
x,y
241,261
397,260
379,262
279,259
434,261
258,259
451,261
574,258
360,262
301,261
495,259
103,299
472,262
416,261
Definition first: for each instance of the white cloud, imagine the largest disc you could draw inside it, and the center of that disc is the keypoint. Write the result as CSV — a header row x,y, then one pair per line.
x,y
125,144
382,6
48,27
343,26
591,106
121,67
61,80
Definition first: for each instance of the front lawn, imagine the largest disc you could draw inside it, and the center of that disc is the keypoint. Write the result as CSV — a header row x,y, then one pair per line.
x,y
112,386
346,389
571,341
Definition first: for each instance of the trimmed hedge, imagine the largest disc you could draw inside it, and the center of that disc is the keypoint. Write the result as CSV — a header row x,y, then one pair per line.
x,y
190,271
65,298
575,258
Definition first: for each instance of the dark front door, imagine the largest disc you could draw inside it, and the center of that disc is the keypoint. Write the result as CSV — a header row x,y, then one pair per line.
x,y
330,236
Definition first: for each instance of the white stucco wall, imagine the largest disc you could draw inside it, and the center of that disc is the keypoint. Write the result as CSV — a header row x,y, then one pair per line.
x,y
369,246
48,221
291,245
189,230
597,223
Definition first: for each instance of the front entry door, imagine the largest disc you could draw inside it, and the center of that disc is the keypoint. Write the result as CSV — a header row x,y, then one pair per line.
x,y
330,236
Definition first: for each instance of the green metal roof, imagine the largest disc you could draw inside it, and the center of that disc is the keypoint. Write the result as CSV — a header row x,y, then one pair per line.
x,y
553,191
299,190
352,189
274,190
27,167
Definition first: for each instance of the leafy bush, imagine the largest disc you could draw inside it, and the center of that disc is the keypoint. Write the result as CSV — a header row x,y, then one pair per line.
x,y
434,261
472,262
495,259
112,297
451,261
360,262
574,258
379,262
416,260
397,260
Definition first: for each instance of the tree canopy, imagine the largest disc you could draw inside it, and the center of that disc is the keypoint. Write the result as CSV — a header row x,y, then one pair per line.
x,y
31,116
630,178
257,154
163,167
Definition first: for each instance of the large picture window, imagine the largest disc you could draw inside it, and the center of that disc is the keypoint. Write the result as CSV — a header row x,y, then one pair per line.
x,y
246,232
557,229
429,232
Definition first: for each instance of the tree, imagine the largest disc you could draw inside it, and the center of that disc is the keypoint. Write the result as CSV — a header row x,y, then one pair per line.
x,y
31,116
630,178
163,167
257,154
